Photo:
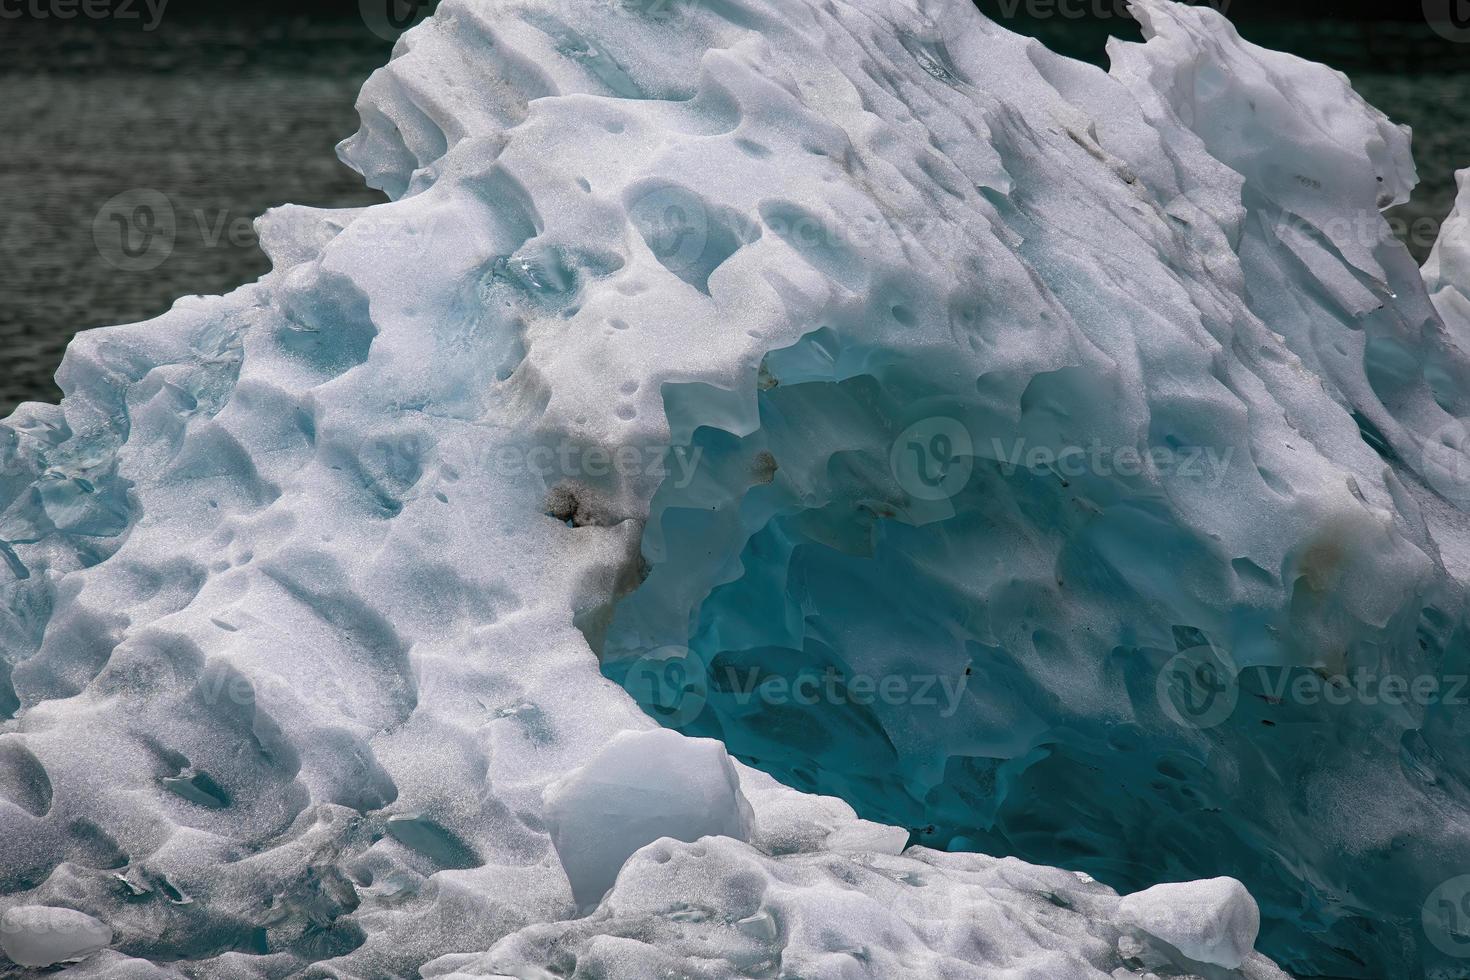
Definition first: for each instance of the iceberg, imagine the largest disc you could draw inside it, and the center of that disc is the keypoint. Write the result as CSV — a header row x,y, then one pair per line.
x,y
783,488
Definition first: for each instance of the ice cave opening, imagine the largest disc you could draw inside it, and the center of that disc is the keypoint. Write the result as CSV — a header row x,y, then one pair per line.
x,y
899,598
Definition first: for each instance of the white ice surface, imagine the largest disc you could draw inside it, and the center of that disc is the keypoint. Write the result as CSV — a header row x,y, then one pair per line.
x,y
644,786
1213,921
300,658
1447,271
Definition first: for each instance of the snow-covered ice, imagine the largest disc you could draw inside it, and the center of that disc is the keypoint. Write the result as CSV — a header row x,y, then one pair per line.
x,y
1213,921
719,908
643,787
34,935
1447,272
764,336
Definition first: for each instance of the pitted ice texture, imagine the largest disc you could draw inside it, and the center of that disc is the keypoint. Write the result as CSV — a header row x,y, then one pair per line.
x,y
303,589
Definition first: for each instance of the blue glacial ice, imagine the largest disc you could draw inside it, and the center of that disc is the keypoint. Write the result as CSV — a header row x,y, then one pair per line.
x,y
982,443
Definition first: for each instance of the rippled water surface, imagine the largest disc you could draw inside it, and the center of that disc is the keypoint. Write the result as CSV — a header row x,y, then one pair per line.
x,y
224,123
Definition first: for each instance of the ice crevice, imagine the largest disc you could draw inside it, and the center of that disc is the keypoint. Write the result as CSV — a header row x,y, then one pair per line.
x,y
758,341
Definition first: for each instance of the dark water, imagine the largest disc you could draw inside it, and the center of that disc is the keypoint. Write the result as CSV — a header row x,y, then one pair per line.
x,y
1437,106
226,118
223,121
